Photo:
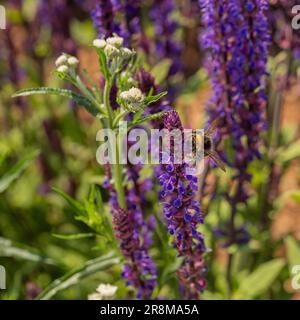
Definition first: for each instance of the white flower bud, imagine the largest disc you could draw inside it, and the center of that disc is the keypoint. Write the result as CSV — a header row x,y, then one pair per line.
x,y
99,43
126,53
73,62
115,41
111,51
107,290
103,292
61,60
63,69
133,99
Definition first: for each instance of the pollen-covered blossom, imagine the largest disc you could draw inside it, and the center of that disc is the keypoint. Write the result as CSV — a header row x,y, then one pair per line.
x,y
183,217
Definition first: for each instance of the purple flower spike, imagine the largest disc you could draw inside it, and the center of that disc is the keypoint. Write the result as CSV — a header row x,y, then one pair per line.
x,y
165,29
103,16
183,217
140,271
237,39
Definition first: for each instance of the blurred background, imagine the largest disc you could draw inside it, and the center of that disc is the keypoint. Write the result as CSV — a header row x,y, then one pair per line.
x,y
48,142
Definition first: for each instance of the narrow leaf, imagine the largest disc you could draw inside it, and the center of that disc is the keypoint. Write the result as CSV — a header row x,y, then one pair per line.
x,y
148,118
72,202
75,276
153,99
293,251
73,236
10,249
103,63
290,153
17,170
261,279
81,100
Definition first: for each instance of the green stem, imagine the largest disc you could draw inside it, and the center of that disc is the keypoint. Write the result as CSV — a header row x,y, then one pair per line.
x,y
80,85
116,168
106,99
118,180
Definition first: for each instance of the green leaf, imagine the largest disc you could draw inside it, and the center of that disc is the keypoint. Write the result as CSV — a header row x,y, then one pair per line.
x,y
293,251
153,99
17,170
148,118
260,280
103,63
75,276
10,249
296,196
73,236
290,153
161,70
76,205
81,100
137,116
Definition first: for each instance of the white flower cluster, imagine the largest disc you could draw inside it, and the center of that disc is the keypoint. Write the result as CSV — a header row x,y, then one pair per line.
x,y
66,62
103,292
113,47
133,99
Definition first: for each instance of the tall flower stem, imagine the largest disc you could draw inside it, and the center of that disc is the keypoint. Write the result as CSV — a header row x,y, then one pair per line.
x,y
118,180
116,168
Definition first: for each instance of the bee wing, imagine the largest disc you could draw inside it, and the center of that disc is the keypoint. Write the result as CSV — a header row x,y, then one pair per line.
x,y
216,158
210,131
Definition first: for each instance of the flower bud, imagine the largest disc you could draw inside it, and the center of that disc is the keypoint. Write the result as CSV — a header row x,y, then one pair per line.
x,y
99,43
103,292
61,60
133,99
126,53
111,51
115,41
73,62
63,69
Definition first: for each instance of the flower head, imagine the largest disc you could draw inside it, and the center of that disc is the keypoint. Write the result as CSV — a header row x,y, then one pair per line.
x,y
99,43
73,61
103,292
63,69
237,39
111,51
115,41
61,60
65,63
133,99
183,217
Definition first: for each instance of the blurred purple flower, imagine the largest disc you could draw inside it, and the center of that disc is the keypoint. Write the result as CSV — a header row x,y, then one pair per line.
x,y
103,16
165,31
237,36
